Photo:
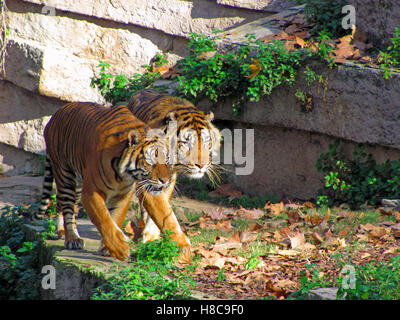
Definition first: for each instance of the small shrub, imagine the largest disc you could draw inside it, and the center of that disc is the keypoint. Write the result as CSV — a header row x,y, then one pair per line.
x,y
251,71
357,180
152,274
376,281
390,58
118,88
19,275
325,15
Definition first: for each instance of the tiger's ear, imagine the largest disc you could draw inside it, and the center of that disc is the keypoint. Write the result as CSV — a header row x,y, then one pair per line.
x,y
170,117
209,116
133,138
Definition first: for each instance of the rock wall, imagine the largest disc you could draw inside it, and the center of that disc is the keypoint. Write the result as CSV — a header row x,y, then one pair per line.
x,y
54,48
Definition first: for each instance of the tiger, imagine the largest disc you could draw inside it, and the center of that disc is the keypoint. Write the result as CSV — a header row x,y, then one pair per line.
x,y
106,151
196,139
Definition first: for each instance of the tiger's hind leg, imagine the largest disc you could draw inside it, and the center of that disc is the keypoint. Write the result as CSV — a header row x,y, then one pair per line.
x,y
47,189
66,207
60,218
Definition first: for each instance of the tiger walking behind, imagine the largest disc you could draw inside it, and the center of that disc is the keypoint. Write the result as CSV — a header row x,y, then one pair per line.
x,y
197,141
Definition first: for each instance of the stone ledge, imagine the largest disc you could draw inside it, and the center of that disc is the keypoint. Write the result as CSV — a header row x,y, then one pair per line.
x,y
262,5
78,272
173,17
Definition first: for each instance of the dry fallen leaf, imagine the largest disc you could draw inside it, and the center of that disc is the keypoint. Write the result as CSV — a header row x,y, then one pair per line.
x,y
216,214
206,55
297,240
180,213
185,257
385,212
248,236
317,237
255,68
224,225
251,214
308,204
396,230
226,190
293,216
276,208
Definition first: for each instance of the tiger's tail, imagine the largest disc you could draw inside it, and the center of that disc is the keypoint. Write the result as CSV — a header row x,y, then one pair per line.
x,y
47,187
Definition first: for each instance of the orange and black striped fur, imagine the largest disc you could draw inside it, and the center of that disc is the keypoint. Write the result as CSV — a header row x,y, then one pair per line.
x,y
106,151
194,141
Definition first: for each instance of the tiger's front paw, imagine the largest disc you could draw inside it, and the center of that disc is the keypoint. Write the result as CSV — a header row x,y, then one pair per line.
x,y
117,246
74,243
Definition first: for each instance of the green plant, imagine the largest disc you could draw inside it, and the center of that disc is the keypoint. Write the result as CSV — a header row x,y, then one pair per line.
x,y
325,15
19,275
390,58
253,262
357,180
118,88
50,230
151,275
311,278
252,70
377,281
221,277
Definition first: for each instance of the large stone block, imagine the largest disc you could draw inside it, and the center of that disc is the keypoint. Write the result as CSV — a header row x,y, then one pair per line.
x,y
170,16
58,55
14,161
23,64
23,117
264,5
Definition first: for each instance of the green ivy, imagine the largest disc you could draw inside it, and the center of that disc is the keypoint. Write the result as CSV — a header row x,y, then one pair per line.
x,y
118,88
245,73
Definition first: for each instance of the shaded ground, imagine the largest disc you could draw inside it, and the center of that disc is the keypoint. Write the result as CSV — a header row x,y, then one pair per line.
x,y
253,253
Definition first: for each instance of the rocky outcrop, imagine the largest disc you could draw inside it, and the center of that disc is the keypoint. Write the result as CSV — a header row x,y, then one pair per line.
x,y
54,48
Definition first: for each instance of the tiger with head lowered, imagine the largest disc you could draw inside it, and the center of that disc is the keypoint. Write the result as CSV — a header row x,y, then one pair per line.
x,y
197,140
106,151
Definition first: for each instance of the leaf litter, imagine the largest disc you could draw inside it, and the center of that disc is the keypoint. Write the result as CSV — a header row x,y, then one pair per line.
x,y
266,257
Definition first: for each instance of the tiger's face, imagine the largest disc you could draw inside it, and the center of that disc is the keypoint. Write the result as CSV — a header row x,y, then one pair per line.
x,y
149,164
194,151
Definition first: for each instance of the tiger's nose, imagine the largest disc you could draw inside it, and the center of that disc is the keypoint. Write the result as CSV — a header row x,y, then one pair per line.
x,y
163,180
200,165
